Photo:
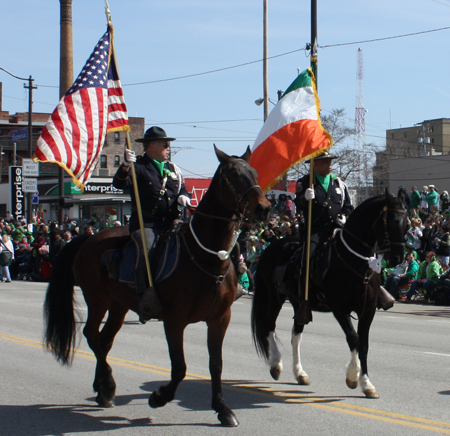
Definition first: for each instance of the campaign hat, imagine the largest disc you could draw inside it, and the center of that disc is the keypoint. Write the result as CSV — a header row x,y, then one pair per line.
x,y
324,155
155,133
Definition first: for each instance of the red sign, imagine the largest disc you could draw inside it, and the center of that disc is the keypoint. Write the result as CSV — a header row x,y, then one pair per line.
x,y
197,189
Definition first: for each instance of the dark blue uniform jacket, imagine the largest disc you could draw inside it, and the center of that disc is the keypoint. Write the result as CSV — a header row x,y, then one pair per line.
x,y
159,205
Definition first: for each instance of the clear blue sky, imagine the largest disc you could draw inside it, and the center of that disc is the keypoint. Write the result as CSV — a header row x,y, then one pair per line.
x,y
406,80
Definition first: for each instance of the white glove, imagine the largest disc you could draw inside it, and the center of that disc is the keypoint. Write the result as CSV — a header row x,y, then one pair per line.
x,y
309,194
184,201
341,220
128,157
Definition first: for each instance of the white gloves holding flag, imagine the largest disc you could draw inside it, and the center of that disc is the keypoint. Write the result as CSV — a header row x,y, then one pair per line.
x,y
128,157
309,194
184,200
341,220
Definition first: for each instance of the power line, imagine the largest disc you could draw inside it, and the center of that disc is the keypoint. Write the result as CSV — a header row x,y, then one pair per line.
x,y
386,38
274,57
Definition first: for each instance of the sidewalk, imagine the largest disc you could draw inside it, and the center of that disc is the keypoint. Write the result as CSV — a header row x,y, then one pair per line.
x,y
420,308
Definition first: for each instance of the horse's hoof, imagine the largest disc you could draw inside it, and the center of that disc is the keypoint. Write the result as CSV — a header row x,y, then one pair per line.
x,y
156,400
275,372
303,380
102,402
228,419
351,384
371,393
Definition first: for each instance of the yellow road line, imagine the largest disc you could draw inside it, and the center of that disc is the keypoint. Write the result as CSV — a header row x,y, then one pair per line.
x,y
270,393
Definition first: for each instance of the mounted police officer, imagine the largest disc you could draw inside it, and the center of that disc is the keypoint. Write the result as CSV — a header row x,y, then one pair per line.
x,y
161,188
331,206
329,195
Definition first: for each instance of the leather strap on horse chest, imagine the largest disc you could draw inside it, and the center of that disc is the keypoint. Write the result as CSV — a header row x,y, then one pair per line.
x,y
219,279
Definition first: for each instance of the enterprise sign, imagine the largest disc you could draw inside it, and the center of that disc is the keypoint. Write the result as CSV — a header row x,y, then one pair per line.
x,y
17,196
101,188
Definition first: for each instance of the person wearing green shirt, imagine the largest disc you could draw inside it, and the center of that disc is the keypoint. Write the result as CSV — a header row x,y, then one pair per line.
x,y
414,199
432,199
394,281
429,273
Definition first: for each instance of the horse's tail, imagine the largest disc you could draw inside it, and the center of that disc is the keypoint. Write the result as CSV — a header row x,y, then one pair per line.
x,y
59,316
267,301
260,310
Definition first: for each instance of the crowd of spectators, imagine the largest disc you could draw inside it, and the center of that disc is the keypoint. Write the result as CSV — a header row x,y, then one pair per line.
x,y
428,240
35,247
255,238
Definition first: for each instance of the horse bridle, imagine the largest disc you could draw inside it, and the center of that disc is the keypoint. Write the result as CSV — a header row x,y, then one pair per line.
x,y
387,243
237,195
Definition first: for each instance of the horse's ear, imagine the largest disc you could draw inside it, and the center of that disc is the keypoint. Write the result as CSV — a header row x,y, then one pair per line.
x,y
247,154
222,156
386,191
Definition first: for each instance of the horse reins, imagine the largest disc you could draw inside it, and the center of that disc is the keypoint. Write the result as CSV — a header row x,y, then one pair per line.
x,y
386,243
223,255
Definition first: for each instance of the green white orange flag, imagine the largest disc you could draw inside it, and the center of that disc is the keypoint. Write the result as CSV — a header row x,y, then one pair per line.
x,y
292,132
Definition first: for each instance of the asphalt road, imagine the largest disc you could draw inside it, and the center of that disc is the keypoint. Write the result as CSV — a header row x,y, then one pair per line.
x,y
409,364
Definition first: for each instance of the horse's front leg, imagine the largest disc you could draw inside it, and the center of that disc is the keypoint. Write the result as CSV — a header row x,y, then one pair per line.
x,y
216,334
165,394
300,375
364,324
353,368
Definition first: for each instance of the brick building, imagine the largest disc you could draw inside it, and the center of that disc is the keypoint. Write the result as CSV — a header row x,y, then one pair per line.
x,y
100,199
429,138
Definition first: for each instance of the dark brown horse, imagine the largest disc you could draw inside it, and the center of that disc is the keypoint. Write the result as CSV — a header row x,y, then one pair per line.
x,y
202,288
376,226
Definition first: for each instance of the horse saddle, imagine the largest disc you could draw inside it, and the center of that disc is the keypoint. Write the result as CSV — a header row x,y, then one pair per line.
x,y
122,263
319,264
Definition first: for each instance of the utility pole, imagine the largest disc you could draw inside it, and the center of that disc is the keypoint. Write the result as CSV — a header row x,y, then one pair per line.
x,y
265,65
30,88
65,77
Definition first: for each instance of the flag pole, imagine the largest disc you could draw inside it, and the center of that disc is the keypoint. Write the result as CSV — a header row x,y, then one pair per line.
x,y
133,172
304,312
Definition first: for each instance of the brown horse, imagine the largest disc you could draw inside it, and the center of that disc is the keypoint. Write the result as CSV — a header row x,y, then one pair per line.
x,y
202,288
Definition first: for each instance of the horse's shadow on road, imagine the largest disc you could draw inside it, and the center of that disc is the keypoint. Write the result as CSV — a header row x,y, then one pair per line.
x,y
192,395
238,394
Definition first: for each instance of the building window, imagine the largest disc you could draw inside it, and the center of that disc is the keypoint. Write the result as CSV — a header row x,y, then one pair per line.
x,y
392,136
116,136
103,161
432,140
116,161
404,134
432,129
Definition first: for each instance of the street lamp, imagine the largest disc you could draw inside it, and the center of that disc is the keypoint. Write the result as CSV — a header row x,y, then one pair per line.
x,y
30,88
260,101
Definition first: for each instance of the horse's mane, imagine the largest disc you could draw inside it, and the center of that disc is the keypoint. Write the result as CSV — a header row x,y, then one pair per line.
x,y
368,206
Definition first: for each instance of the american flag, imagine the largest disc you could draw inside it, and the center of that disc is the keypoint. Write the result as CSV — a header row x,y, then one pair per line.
x,y
75,133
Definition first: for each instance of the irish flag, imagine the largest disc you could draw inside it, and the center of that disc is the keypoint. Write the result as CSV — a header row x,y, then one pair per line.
x,y
292,132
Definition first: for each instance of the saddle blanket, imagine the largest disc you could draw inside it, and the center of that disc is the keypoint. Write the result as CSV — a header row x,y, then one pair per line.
x,y
168,258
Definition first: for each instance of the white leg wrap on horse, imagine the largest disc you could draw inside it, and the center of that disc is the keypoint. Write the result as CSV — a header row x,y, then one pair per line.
x,y
275,362
300,375
367,387
274,352
353,370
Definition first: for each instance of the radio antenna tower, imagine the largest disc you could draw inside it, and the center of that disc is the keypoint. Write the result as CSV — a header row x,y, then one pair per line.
x,y
360,114
360,127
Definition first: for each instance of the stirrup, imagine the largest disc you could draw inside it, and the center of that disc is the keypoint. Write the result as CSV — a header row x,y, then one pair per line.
x,y
149,305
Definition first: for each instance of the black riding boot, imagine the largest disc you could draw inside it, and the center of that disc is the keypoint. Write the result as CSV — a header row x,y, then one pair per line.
x,y
149,304
112,259
385,300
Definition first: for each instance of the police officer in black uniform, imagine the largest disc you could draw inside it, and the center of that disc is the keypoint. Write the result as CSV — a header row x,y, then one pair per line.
x,y
331,200
161,188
